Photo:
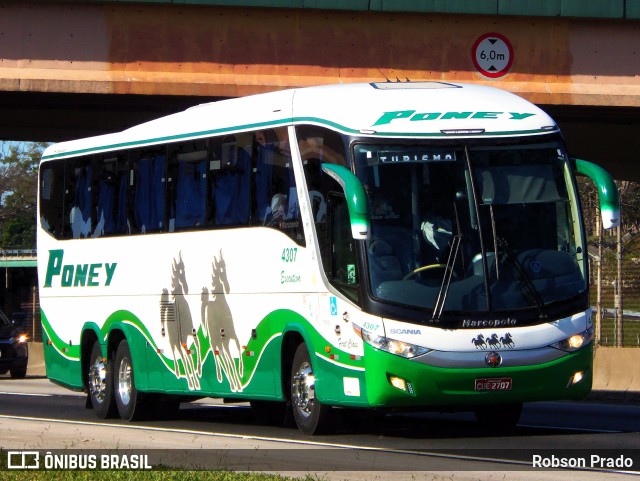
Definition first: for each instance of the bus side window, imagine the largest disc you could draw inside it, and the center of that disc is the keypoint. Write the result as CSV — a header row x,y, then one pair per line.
x,y
276,197
188,195
335,241
229,173
320,143
313,175
265,143
123,223
110,183
52,197
341,264
78,199
149,184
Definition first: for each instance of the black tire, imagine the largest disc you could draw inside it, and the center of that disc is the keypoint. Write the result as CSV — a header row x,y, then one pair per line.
x,y
499,419
310,415
128,400
3,371
19,373
100,384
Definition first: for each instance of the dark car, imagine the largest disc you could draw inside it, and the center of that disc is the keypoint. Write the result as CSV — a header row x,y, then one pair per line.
x,y
14,351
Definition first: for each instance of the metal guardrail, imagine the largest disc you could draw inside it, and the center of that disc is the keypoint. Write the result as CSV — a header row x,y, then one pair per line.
x,y
18,253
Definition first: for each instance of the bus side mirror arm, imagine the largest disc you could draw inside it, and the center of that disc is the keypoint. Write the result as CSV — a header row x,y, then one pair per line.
x,y
607,192
356,198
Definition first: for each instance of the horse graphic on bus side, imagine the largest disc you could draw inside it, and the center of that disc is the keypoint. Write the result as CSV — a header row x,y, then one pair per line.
x,y
178,326
217,322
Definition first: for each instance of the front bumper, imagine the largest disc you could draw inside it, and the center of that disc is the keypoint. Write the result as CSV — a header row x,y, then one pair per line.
x,y
431,386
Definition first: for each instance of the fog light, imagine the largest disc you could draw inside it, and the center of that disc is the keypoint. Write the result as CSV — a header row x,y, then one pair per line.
x,y
576,378
398,383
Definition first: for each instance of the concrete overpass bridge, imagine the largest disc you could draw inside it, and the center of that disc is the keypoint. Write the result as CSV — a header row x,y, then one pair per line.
x,y
77,68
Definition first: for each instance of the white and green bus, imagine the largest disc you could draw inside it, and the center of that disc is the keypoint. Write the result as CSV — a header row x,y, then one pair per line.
x,y
381,245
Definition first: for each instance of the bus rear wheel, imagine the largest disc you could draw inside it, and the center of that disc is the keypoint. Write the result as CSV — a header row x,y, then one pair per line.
x,y
100,384
311,416
128,399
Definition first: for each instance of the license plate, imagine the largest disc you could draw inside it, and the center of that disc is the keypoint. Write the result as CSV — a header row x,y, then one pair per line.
x,y
494,384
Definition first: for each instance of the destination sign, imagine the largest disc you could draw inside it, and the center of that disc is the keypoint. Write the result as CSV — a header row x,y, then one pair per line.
x,y
399,155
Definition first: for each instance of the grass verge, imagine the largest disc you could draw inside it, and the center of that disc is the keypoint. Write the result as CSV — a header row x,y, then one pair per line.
x,y
24,475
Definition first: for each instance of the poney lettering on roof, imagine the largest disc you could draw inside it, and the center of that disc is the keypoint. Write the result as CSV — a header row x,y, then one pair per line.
x,y
412,116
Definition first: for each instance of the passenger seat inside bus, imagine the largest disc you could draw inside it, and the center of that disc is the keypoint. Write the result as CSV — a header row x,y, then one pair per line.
x,y
384,265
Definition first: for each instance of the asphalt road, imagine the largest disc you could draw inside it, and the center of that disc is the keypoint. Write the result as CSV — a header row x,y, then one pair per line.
x,y
36,414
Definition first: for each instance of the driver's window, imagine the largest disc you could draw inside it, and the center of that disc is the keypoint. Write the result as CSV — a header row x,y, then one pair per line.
x,y
340,262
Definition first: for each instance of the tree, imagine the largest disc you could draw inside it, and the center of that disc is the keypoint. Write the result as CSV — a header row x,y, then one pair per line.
x,y
18,187
629,202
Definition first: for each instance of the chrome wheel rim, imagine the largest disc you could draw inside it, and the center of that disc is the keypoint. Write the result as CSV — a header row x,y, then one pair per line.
x,y
303,389
98,380
125,381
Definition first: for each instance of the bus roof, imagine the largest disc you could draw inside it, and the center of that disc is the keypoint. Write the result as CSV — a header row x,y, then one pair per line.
x,y
389,109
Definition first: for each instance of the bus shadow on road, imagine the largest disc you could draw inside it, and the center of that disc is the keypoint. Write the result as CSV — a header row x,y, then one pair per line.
x,y
241,419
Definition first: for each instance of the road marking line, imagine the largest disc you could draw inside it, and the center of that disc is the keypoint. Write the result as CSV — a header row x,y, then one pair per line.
x,y
26,394
567,428
271,439
426,454
174,430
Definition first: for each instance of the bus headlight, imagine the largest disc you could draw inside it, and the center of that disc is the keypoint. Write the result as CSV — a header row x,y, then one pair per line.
x,y
393,346
575,342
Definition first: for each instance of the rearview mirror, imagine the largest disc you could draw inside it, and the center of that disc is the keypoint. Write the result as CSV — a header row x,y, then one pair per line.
x,y
356,198
607,192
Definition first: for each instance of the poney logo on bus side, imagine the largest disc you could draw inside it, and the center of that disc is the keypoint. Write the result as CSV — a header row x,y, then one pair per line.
x,y
77,275
414,116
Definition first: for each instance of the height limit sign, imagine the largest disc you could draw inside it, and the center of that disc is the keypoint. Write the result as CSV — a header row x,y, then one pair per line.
x,y
492,55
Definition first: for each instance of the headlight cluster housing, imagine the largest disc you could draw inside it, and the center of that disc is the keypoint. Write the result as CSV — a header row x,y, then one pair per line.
x,y
393,346
575,342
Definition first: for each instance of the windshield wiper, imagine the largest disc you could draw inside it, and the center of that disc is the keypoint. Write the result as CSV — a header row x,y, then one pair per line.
x,y
446,279
475,223
495,240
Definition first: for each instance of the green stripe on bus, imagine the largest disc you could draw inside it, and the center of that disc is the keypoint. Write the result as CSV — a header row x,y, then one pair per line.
x,y
274,123
260,354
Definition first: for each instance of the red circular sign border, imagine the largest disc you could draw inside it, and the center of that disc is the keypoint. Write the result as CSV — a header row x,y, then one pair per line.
x,y
482,71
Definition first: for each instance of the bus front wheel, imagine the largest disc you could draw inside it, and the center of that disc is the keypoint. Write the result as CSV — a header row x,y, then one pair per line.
x,y
311,416
128,399
100,384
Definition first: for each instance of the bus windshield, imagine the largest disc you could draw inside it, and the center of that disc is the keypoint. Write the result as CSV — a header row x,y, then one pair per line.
x,y
465,229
